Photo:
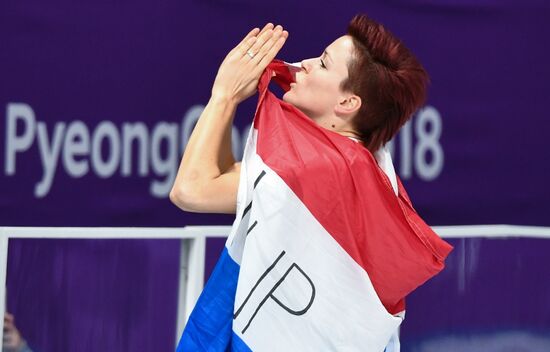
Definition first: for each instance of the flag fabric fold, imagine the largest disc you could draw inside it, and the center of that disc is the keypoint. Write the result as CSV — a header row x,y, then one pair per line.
x,y
322,252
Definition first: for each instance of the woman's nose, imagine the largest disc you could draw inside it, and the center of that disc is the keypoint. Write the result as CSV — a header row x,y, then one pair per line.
x,y
306,65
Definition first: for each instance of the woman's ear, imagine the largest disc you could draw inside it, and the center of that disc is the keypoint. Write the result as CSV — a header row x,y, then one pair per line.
x,y
348,105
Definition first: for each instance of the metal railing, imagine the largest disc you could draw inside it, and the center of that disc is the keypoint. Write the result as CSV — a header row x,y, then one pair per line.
x,y
193,248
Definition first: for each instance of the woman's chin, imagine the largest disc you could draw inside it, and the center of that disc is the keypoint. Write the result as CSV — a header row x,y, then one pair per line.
x,y
287,97
290,97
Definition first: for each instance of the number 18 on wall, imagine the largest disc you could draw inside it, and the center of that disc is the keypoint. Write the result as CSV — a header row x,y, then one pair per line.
x,y
424,152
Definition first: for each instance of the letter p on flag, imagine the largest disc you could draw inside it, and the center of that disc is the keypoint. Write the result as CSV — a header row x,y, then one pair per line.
x,y
293,292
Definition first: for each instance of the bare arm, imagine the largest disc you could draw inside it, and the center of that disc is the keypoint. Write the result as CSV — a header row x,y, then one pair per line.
x,y
208,176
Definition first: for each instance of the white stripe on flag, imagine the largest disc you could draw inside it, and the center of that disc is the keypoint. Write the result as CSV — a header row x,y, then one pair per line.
x,y
298,289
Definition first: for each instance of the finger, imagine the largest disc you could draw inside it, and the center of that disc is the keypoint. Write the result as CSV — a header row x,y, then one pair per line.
x,y
272,41
267,47
243,42
253,33
250,34
247,44
246,47
267,27
272,52
259,43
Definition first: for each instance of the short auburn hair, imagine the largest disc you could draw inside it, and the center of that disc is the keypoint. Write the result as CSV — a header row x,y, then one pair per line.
x,y
387,77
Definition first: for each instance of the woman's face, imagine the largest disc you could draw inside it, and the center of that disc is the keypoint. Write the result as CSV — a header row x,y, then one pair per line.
x,y
317,88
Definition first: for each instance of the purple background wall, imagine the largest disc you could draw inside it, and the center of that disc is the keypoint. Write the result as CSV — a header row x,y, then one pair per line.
x,y
94,295
77,78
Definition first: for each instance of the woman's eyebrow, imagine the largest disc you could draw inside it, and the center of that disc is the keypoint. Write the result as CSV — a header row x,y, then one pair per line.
x,y
327,55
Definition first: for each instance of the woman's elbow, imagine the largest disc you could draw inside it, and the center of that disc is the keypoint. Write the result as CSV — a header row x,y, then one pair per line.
x,y
184,197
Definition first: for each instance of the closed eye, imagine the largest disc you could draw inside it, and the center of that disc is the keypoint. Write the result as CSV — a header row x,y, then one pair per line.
x,y
322,64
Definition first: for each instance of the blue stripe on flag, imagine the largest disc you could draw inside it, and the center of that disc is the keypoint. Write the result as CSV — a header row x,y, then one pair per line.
x,y
209,327
238,345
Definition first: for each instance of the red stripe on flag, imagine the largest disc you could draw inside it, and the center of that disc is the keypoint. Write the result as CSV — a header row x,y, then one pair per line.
x,y
341,184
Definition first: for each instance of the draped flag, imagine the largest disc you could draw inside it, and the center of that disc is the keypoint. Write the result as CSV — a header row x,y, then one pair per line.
x,y
322,252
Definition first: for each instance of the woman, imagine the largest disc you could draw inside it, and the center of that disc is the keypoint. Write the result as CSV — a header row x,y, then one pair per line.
x,y
368,64
364,86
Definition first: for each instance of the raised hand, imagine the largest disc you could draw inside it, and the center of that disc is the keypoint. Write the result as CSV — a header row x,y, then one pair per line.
x,y
238,75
